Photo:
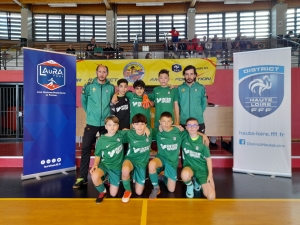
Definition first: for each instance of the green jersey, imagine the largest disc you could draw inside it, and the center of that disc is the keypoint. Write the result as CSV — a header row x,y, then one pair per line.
x,y
110,150
194,153
164,99
139,148
192,102
136,107
168,145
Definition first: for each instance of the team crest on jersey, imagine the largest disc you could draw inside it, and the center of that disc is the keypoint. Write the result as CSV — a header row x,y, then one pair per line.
x,y
51,75
197,147
118,139
174,138
147,140
182,90
261,89
176,68
133,71
195,89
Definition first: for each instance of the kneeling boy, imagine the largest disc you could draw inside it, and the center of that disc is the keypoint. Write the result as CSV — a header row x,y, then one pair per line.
x,y
108,159
137,156
197,163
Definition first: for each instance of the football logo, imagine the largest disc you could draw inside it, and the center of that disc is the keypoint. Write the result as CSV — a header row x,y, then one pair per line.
x,y
261,89
51,75
133,71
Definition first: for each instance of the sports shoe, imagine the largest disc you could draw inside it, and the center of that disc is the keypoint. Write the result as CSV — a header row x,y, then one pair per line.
x,y
79,183
154,193
197,187
126,196
100,197
189,191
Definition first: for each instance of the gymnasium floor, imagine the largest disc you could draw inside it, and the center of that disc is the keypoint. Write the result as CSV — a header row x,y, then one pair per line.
x,y
241,199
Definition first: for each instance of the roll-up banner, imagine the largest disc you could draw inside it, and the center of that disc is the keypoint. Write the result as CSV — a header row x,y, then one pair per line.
x,y
262,112
49,113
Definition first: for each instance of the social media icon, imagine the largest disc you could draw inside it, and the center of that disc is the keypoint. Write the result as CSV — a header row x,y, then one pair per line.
x,y
242,141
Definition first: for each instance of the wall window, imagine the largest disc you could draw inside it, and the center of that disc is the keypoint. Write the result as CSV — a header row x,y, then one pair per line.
x,y
252,24
293,20
10,26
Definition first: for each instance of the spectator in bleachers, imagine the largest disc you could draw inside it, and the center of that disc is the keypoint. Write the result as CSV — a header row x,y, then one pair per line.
x,y
236,44
109,51
203,42
119,51
148,56
215,38
174,34
199,49
89,53
217,47
171,50
71,50
195,41
182,48
48,47
92,44
243,43
208,47
98,51
190,46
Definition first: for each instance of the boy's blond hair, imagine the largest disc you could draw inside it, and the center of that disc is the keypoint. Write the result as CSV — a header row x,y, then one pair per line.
x,y
112,118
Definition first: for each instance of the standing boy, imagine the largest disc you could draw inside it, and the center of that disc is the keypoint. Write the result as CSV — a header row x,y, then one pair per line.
x,y
165,99
122,109
136,100
108,159
197,163
137,156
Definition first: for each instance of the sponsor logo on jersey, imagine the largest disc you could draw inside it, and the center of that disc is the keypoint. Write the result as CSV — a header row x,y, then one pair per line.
x,y
122,108
115,151
163,100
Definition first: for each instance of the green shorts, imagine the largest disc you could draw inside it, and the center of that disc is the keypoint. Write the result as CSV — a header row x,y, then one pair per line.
x,y
200,175
114,176
138,173
170,172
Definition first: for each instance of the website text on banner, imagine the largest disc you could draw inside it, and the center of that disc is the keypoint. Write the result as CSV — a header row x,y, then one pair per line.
x,y
49,113
262,112
147,70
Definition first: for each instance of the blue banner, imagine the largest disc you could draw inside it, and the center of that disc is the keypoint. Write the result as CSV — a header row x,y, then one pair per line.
x,y
49,112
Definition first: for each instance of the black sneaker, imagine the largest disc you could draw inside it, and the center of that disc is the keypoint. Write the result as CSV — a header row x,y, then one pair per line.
x,y
79,183
100,197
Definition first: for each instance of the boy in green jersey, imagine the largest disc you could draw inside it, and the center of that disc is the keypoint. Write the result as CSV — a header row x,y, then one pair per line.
x,y
136,100
137,156
108,159
168,144
165,98
197,163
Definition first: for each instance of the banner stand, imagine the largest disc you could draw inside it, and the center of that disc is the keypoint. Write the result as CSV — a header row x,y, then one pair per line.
x,y
39,175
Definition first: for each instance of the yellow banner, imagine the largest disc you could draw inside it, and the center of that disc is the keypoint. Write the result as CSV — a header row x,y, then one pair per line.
x,y
147,70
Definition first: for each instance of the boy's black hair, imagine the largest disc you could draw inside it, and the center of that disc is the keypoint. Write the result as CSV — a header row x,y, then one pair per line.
x,y
139,118
166,114
123,80
188,68
191,119
139,83
163,71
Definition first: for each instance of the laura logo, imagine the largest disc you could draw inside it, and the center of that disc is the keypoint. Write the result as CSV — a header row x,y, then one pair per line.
x,y
261,89
176,68
51,75
133,71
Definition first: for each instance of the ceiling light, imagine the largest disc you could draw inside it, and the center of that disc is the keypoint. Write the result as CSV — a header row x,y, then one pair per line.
x,y
62,4
238,1
149,4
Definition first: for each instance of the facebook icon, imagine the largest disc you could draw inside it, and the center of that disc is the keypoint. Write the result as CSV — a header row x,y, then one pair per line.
x,y
242,141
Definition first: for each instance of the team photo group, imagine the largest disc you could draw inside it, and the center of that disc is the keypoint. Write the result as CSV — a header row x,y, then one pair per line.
x,y
123,120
